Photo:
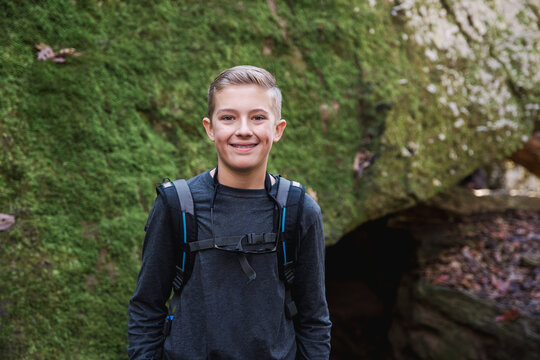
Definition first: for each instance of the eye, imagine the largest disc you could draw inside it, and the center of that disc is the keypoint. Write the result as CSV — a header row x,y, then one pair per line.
x,y
258,117
227,118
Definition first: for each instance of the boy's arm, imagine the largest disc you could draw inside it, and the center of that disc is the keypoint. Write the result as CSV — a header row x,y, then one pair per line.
x,y
313,325
147,308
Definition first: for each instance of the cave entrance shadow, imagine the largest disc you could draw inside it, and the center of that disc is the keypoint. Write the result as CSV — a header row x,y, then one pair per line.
x,y
363,271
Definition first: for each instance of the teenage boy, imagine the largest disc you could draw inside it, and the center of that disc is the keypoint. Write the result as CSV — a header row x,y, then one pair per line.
x,y
226,311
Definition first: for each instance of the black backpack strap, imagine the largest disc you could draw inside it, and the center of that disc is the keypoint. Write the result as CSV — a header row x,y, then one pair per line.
x,y
290,197
239,242
182,214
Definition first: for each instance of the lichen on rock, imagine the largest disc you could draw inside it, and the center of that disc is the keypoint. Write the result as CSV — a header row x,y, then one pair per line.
x,y
477,71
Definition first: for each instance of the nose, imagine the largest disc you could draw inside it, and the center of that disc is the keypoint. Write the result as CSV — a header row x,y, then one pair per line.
x,y
244,128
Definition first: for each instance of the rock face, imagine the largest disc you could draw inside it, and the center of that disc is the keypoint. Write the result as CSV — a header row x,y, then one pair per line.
x,y
479,85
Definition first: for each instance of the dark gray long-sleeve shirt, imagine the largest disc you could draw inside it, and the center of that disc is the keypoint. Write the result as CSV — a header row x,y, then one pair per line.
x,y
221,314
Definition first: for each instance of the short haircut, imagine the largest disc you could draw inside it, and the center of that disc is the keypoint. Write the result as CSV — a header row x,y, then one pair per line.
x,y
245,75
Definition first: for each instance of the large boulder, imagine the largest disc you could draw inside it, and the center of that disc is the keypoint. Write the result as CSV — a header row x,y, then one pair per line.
x,y
476,97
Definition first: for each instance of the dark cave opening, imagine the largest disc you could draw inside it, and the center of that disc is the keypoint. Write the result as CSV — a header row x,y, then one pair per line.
x,y
363,272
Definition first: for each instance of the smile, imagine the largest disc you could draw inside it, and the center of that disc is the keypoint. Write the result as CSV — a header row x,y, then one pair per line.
x,y
238,146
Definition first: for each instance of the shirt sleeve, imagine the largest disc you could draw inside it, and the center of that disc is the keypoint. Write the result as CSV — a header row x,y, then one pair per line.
x,y
313,324
147,308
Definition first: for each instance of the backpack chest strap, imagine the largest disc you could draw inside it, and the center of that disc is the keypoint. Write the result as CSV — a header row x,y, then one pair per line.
x,y
239,242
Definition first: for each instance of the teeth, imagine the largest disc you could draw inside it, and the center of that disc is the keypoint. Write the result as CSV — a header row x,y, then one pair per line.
x,y
243,146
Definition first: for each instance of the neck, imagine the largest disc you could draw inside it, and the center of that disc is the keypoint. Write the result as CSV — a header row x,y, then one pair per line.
x,y
245,180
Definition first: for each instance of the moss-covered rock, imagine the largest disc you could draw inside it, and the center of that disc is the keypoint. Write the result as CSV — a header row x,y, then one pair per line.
x,y
83,143
475,98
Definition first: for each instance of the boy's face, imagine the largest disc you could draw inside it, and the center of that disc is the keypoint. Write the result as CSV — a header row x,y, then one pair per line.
x,y
243,127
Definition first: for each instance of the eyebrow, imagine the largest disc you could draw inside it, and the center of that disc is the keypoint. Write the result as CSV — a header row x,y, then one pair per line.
x,y
235,111
225,110
259,110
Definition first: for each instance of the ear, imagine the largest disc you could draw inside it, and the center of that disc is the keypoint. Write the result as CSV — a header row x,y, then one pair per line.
x,y
209,130
280,127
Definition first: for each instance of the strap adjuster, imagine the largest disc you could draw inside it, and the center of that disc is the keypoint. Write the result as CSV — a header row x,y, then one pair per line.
x,y
178,280
248,239
288,273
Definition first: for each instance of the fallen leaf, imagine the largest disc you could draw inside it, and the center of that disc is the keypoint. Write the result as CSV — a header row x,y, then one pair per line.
x,y
508,315
6,221
441,279
362,160
45,53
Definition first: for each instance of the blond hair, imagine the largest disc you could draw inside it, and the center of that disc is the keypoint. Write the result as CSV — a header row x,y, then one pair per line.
x,y
245,75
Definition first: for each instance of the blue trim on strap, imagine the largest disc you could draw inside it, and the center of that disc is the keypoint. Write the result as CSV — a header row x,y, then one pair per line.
x,y
283,220
283,230
184,220
185,240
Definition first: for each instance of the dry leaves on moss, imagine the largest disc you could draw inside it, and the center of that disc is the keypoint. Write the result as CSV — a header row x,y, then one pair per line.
x,y
47,53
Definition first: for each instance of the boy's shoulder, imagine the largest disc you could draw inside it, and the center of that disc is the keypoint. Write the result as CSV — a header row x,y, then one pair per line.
x,y
202,183
202,178
311,206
